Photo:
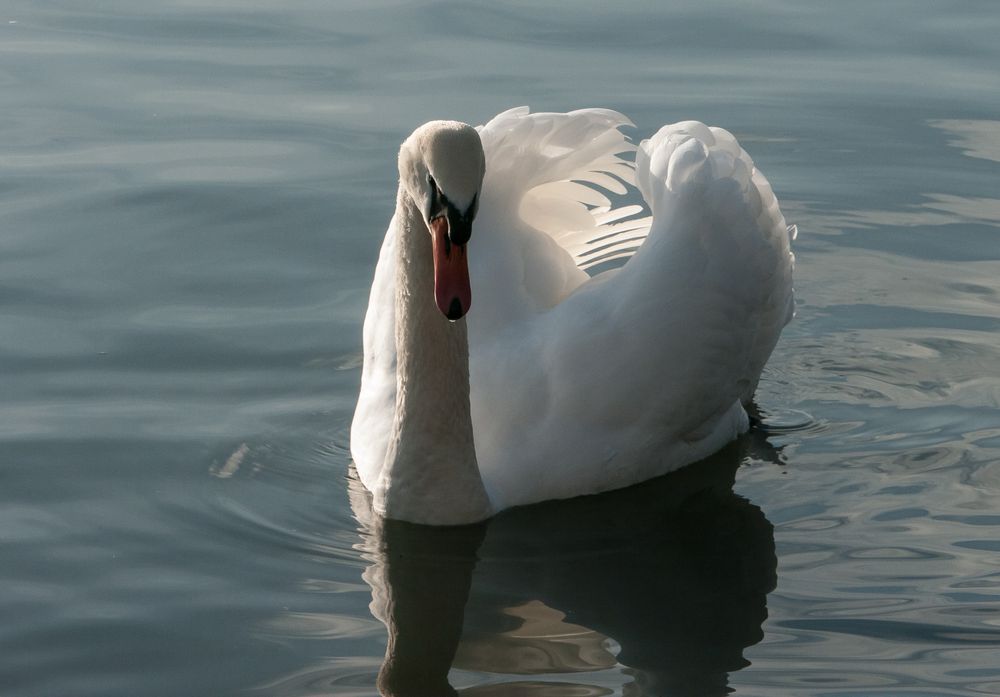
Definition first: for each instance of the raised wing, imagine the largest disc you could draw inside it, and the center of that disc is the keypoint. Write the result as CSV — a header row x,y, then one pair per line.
x,y
644,370
702,185
557,171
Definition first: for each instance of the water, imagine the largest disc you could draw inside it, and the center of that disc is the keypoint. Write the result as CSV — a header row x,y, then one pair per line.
x,y
192,195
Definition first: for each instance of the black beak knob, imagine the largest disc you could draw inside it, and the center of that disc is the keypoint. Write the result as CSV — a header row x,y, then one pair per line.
x,y
459,229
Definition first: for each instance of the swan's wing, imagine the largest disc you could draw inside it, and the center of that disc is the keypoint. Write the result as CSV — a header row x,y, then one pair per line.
x,y
723,216
554,171
643,371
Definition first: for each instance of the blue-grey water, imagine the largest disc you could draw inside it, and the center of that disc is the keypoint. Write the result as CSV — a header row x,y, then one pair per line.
x,y
192,196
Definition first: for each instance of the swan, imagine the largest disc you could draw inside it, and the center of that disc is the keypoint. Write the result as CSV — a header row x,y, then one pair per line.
x,y
505,363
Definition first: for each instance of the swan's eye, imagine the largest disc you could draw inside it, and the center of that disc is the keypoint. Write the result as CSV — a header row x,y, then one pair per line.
x,y
436,203
435,189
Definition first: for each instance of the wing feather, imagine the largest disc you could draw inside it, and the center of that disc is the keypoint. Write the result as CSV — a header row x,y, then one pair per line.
x,y
737,227
558,171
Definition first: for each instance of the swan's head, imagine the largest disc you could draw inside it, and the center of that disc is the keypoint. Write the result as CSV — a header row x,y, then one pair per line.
x,y
441,167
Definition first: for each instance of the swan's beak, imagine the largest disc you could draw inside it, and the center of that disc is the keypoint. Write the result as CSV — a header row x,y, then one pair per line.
x,y
452,291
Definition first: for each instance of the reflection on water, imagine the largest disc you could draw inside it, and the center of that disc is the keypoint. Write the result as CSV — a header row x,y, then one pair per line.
x,y
975,138
657,588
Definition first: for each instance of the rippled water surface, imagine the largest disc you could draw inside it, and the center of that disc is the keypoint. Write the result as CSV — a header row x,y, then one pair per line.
x,y
192,196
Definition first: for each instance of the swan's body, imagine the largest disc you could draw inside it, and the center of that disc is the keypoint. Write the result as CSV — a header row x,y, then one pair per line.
x,y
567,384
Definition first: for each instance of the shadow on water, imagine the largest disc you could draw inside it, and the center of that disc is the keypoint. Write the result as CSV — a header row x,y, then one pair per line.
x,y
663,584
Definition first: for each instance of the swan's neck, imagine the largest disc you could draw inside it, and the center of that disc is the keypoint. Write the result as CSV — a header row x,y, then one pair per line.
x,y
430,474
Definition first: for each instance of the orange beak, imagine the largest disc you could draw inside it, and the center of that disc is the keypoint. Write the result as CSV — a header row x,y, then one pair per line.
x,y
452,291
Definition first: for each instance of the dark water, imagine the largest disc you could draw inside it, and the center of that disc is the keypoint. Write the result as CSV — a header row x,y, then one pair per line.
x,y
192,195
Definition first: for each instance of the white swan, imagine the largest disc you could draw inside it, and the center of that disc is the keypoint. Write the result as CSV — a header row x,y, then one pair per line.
x,y
557,383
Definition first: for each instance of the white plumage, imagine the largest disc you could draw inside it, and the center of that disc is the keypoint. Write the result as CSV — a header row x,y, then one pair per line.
x,y
582,384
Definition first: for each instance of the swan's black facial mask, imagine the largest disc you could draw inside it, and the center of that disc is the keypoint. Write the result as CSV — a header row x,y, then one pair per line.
x,y
459,223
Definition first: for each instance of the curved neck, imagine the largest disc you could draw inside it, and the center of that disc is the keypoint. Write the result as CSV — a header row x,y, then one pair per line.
x,y
430,474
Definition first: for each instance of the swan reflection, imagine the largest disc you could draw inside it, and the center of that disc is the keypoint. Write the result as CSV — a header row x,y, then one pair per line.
x,y
665,583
